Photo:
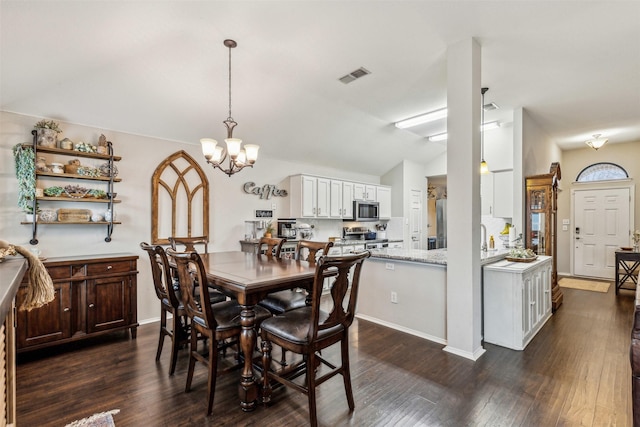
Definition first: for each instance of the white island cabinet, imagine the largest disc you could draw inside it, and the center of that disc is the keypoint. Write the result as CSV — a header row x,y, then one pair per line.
x,y
517,301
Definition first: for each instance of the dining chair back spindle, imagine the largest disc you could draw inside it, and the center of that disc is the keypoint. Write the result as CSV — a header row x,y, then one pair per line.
x,y
308,330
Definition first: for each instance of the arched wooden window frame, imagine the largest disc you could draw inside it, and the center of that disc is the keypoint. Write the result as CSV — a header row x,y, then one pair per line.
x,y
612,166
172,189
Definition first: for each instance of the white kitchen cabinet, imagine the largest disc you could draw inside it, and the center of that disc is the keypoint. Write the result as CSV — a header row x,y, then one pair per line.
x,y
503,194
347,199
341,199
486,193
517,301
395,245
364,192
335,208
383,197
309,196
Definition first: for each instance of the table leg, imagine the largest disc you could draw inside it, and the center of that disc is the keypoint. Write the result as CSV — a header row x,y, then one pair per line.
x,y
248,389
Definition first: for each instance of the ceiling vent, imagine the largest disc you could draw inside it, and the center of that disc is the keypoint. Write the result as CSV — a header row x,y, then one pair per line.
x,y
490,106
360,72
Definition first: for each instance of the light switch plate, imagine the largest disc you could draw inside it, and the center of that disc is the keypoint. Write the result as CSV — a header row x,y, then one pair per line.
x,y
566,222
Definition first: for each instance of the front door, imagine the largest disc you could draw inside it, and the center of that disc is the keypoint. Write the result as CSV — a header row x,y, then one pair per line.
x,y
601,226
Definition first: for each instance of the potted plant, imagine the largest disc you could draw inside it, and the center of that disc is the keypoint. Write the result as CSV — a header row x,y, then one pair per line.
x,y
268,229
48,131
25,160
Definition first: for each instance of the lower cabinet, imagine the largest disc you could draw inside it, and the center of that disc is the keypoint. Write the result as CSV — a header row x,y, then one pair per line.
x,y
93,295
516,301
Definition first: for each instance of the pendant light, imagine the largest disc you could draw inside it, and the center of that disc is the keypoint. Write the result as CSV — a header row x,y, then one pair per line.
x,y
239,158
596,142
484,168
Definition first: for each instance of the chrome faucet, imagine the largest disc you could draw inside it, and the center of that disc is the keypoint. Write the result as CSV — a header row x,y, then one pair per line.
x,y
484,237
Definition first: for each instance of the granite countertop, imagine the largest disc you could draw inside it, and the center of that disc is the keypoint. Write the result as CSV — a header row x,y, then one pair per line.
x,y
337,243
433,256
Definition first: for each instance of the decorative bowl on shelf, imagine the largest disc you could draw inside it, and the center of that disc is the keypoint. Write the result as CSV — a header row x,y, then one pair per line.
x,y
626,248
48,215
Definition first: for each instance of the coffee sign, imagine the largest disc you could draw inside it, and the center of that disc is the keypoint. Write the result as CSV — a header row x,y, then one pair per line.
x,y
265,192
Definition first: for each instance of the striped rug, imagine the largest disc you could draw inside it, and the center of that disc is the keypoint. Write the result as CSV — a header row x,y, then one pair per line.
x,y
584,285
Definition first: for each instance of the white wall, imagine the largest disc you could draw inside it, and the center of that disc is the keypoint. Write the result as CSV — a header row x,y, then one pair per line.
x,y
229,205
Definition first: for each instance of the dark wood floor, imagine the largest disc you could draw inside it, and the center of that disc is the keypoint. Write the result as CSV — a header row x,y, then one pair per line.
x,y
575,372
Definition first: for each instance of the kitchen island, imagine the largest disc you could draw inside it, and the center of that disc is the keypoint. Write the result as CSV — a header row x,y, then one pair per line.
x,y
405,289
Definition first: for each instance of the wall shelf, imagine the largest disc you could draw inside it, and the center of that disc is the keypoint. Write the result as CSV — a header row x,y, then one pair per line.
x,y
108,180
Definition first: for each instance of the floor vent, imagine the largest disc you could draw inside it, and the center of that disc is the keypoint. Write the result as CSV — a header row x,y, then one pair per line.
x,y
360,72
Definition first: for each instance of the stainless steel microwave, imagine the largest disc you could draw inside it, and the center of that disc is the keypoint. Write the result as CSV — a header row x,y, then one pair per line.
x,y
366,211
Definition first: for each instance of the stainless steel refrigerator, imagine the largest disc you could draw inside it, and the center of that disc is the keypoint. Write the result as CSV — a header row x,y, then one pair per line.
x,y
441,223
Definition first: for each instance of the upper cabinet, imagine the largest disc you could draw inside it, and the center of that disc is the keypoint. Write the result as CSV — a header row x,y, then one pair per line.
x,y
318,197
383,196
486,193
364,192
503,194
496,193
310,196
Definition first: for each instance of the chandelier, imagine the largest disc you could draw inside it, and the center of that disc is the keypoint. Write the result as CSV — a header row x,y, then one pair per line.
x,y
596,142
238,157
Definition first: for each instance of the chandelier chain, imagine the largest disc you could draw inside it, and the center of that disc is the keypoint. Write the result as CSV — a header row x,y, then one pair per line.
x,y
230,83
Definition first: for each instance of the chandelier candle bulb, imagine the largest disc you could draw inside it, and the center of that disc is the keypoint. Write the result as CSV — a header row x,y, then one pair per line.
x,y
252,152
208,147
233,146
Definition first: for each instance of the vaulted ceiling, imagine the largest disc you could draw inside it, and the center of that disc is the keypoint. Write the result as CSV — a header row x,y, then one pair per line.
x,y
159,68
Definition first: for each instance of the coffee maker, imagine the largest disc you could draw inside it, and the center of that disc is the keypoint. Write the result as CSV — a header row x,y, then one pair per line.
x,y
287,228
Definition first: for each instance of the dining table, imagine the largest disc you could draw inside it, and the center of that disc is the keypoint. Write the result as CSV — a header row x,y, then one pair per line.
x,y
249,278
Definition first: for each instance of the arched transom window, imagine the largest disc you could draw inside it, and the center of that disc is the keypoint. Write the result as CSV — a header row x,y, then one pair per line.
x,y
602,172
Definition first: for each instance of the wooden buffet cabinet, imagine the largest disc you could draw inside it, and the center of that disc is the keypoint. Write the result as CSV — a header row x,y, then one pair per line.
x,y
94,295
542,223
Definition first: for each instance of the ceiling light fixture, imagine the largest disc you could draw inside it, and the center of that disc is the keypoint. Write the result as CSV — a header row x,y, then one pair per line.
x,y
443,136
239,158
484,168
596,142
431,116
438,137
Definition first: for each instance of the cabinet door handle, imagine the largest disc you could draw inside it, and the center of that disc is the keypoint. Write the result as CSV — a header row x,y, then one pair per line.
x,y
109,267
66,309
91,305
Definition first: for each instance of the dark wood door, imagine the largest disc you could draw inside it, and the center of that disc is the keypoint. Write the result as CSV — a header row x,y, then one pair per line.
x,y
108,303
51,322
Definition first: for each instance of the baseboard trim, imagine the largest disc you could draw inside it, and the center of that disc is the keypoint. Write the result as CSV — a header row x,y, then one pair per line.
x,y
402,329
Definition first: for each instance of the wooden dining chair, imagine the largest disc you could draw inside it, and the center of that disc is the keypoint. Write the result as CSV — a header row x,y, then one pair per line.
x,y
189,244
270,246
214,322
169,297
290,299
310,329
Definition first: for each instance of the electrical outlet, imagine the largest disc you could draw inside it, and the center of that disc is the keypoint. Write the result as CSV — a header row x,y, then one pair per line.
x,y
565,228
273,206
390,266
394,297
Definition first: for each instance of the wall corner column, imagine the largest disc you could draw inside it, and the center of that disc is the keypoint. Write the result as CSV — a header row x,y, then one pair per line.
x,y
464,291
